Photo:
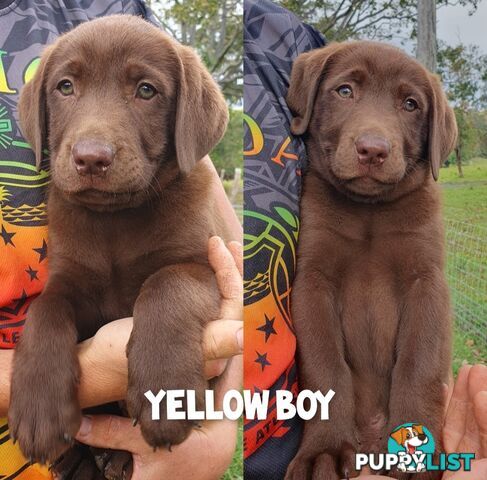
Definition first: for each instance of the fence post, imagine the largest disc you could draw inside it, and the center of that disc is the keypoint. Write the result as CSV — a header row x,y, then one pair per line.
x,y
236,184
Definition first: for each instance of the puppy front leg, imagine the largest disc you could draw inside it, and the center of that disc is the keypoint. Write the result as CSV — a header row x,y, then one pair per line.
x,y
327,447
44,413
165,348
423,359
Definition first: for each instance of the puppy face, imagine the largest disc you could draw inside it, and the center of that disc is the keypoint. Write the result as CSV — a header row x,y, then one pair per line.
x,y
117,102
410,437
376,117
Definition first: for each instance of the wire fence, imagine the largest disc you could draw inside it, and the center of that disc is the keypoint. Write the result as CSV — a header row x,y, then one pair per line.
x,y
467,274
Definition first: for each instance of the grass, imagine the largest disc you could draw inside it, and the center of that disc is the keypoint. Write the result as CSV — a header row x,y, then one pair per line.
x,y
235,471
474,170
465,213
467,196
465,350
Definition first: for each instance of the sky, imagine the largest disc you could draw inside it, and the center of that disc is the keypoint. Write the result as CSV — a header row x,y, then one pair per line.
x,y
454,25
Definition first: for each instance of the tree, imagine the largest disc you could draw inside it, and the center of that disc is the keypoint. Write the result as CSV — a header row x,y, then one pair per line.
x,y
374,19
479,121
466,138
227,155
426,48
463,69
214,29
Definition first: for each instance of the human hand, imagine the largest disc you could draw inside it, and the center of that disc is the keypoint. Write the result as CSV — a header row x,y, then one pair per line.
x,y
465,427
103,359
212,445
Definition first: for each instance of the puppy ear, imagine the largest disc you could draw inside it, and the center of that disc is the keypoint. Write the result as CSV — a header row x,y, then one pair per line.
x,y
33,109
419,429
442,128
202,113
398,436
306,76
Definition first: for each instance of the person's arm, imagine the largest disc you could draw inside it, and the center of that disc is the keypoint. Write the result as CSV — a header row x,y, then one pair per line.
x,y
226,210
6,357
102,381
212,445
104,364
103,361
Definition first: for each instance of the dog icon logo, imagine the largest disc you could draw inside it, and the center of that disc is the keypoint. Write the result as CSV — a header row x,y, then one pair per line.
x,y
411,441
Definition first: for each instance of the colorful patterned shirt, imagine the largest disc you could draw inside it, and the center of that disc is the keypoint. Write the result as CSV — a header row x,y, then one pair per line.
x,y
273,38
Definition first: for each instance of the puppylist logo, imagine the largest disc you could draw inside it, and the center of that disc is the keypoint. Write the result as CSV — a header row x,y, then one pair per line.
x,y
411,448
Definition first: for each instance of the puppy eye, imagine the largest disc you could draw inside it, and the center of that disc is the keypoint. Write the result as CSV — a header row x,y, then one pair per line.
x,y
345,91
65,87
146,91
410,105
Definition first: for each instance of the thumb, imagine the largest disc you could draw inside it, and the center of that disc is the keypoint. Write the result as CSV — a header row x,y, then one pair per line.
x,y
110,431
479,470
480,409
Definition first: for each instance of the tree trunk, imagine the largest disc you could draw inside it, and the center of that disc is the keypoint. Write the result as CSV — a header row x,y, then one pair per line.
x,y
426,49
458,157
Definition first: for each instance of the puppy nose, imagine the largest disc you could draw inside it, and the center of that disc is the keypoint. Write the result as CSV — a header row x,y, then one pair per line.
x,y
372,149
92,157
422,436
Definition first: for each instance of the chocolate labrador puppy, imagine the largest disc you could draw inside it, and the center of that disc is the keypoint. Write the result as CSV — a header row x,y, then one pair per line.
x,y
370,302
126,113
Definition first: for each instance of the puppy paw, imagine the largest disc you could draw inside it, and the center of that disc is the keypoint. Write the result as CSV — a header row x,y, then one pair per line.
x,y
324,465
162,432
44,414
114,464
299,468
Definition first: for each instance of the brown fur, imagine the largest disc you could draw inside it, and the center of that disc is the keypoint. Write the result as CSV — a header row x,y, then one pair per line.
x,y
132,241
370,301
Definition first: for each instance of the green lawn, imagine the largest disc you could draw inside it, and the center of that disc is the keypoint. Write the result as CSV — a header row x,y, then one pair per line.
x,y
235,472
465,350
474,170
466,197
465,213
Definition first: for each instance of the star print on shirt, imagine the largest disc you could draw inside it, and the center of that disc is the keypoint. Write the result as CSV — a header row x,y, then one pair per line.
x,y
42,251
7,237
262,360
268,328
18,304
32,273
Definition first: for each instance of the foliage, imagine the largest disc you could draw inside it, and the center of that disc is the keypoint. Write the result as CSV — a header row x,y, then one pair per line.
x,y
228,153
479,122
467,135
214,29
463,69
374,19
